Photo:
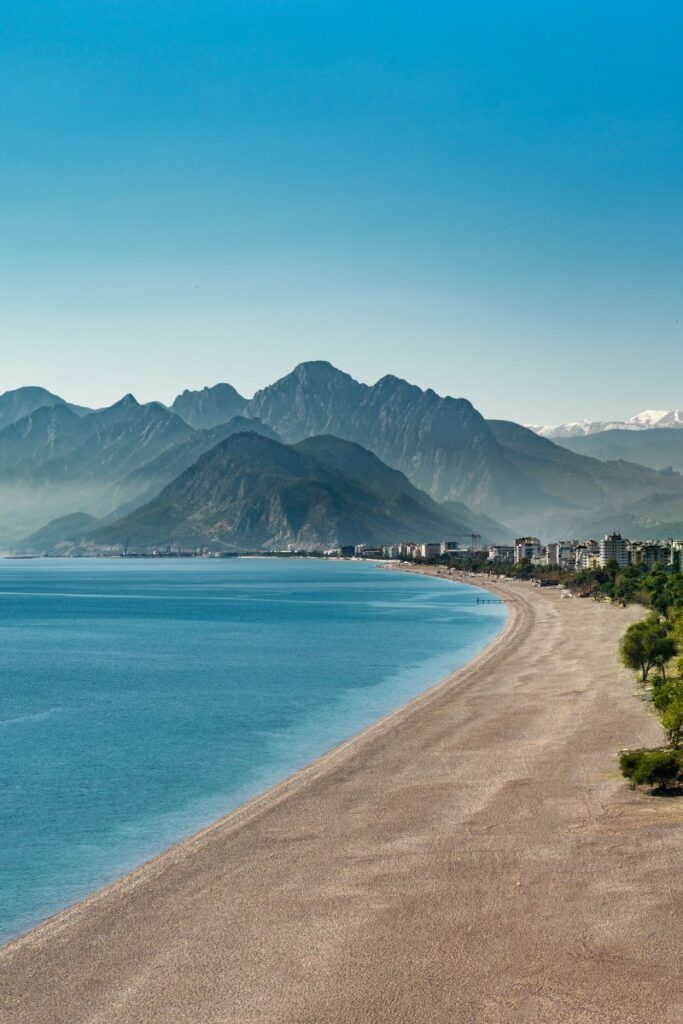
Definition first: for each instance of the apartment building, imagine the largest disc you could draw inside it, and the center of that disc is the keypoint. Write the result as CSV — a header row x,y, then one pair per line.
x,y
527,548
614,548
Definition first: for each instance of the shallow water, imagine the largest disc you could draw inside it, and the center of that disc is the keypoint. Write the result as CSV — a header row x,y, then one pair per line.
x,y
141,700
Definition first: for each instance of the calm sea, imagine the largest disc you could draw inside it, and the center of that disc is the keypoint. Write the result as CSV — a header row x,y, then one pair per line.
x,y
141,700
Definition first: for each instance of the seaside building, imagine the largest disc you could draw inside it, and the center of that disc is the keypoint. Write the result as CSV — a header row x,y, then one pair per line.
x,y
552,553
429,550
676,555
587,555
460,555
650,553
566,553
369,552
501,553
614,548
527,548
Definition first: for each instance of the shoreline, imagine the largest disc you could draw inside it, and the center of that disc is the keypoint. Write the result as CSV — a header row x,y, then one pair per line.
x,y
245,812
474,855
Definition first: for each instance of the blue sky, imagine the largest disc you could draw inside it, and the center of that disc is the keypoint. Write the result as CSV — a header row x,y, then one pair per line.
x,y
484,198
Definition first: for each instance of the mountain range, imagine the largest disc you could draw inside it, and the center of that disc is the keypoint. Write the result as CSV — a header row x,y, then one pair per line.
x,y
251,492
209,407
112,464
649,419
659,448
14,405
55,461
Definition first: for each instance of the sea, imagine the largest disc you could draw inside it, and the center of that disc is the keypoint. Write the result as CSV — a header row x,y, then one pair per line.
x,y
141,700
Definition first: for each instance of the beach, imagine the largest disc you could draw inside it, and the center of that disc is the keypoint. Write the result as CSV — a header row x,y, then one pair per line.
x,y
473,857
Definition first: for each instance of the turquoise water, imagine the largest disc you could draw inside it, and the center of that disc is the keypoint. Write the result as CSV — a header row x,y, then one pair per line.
x,y
141,700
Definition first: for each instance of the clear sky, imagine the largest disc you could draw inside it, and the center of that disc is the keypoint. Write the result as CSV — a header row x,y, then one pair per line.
x,y
482,197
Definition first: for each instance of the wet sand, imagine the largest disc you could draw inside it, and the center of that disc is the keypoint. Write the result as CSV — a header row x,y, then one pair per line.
x,y
474,857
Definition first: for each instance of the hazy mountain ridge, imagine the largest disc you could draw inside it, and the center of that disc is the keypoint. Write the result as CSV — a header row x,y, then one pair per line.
x,y
251,492
21,402
147,480
442,444
55,461
583,492
446,448
61,535
658,448
209,407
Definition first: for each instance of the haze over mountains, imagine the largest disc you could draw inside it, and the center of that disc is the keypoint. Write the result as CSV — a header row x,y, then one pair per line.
x,y
55,461
251,492
658,448
151,471
651,438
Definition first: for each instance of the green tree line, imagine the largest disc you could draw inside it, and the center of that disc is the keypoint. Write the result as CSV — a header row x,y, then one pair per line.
x,y
654,648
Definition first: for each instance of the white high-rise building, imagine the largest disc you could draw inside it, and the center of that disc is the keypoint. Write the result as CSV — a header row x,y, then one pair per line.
x,y
527,548
614,548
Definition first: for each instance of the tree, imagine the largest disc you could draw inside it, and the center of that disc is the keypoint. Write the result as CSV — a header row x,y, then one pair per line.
x,y
628,584
677,632
672,721
667,691
646,644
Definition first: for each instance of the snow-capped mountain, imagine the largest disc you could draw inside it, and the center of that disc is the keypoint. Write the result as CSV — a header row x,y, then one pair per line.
x,y
641,421
657,418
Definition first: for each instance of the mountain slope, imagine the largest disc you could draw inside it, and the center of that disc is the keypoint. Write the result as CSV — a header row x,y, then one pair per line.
x,y
446,448
146,481
250,492
53,460
210,406
53,443
442,444
389,484
60,534
583,491
657,448
15,405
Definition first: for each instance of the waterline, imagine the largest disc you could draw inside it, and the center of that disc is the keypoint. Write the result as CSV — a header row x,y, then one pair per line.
x,y
173,712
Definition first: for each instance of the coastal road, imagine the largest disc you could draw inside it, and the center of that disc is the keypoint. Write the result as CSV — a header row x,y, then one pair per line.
x,y
473,858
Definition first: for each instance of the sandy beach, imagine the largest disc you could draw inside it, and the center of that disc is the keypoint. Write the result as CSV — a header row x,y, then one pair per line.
x,y
474,857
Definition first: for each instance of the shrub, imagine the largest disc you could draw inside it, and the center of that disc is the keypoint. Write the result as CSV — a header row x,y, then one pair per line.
x,y
629,761
672,721
657,768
